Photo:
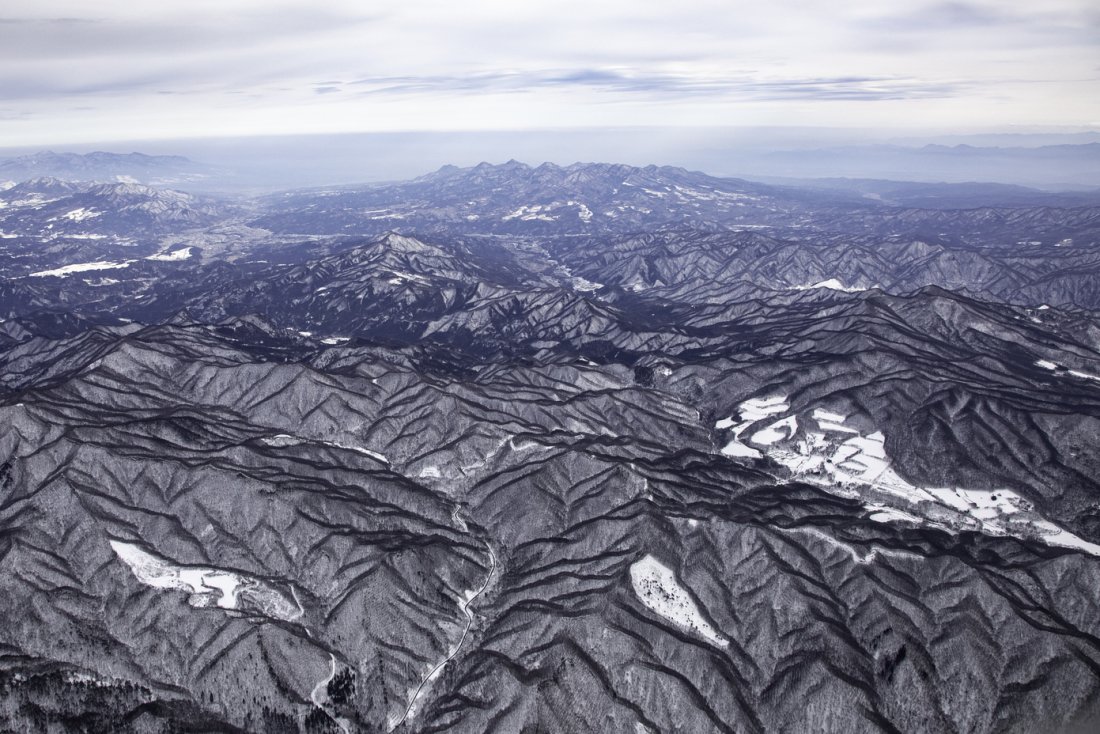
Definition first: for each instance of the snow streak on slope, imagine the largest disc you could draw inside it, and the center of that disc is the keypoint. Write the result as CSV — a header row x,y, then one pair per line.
x,y
1048,365
80,268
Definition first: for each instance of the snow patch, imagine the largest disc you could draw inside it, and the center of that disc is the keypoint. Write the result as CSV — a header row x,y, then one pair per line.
x,y
81,268
207,586
1048,365
283,439
749,412
778,431
756,408
174,256
832,284
858,467
584,285
657,588
824,415
79,215
583,211
736,448
529,213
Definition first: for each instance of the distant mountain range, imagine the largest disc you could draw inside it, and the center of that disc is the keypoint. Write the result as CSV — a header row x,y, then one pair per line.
x,y
100,166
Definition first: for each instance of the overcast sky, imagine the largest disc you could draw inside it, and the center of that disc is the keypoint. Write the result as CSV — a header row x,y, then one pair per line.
x,y
122,69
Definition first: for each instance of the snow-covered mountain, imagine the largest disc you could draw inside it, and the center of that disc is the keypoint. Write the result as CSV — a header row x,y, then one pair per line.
x,y
718,457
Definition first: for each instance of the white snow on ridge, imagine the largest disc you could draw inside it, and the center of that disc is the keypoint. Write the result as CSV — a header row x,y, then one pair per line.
x,y
832,284
284,439
174,256
1085,375
657,588
825,415
80,268
206,586
1048,365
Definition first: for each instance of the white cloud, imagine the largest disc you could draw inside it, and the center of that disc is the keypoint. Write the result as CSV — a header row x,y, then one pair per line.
x,y
172,68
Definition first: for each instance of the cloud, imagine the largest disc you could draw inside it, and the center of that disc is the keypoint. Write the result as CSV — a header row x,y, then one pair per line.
x,y
657,85
943,16
47,21
1003,24
298,64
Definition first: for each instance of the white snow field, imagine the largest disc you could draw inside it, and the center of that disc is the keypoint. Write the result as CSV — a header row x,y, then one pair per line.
x,y
842,460
749,412
657,587
832,284
173,256
79,215
80,268
1048,365
207,586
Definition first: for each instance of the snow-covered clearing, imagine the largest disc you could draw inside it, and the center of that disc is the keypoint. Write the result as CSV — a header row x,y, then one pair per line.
x,y
657,588
173,256
749,412
79,215
857,466
206,586
81,268
832,284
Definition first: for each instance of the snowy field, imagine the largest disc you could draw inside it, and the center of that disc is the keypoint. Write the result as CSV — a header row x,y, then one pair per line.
x,y
206,586
657,587
845,461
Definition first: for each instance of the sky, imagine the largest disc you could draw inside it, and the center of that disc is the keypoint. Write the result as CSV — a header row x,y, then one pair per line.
x,y
77,72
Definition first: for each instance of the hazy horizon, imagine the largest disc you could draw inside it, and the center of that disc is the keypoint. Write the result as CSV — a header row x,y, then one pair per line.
x,y
266,162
